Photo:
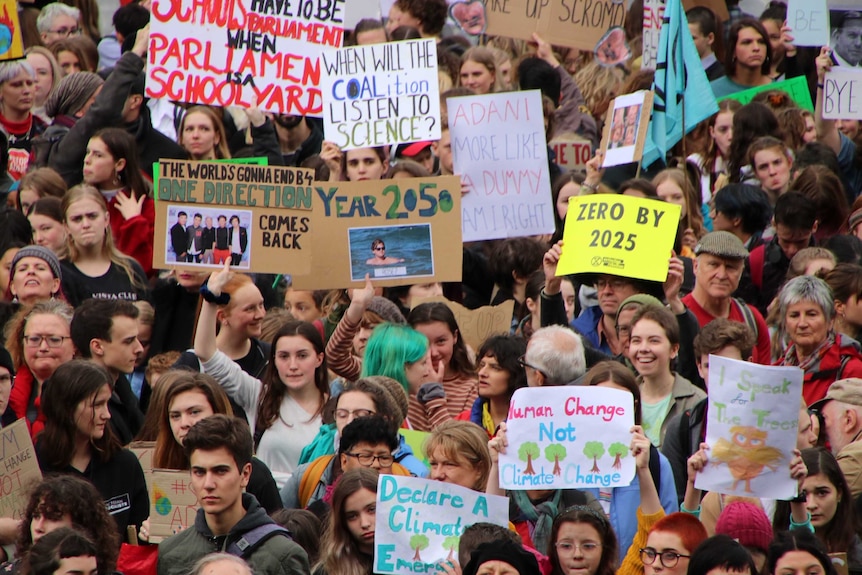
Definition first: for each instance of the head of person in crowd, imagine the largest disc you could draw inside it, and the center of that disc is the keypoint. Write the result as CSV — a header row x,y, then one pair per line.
x,y
8,250
305,305
64,551
626,313
362,164
841,410
457,453
371,396
798,551
639,188
48,72
242,317
750,122
479,71
146,321
74,95
772,163
816,154
814,261
7,378
748,49
348,541
536,74
402,296
742,210
846,35
111,163
748,525
379,311
442,148
17,90
274,318
427,16
845,281
106,331
512,262
499,369
128,19
399,352
673,186
479,533
39,338
69,501
368,442
304,527
723,338
566,186
46,219
406,168
369,31
826,191
202,134
670,544
554,356
772,19
221,563
501,557
436,321
715,150
582,541
704,30
722,554
58,21
806,308
798,127
795,221
88,387
654,343
35,275
847,249
719,261
75,54
37,184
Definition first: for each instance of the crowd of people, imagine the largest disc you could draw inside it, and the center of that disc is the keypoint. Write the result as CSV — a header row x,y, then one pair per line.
x,y
286,405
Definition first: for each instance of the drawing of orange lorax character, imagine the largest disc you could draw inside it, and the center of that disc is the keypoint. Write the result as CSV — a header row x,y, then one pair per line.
x,y
747,454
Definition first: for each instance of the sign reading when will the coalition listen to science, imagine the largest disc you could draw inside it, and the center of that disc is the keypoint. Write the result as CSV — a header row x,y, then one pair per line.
x,y
242,52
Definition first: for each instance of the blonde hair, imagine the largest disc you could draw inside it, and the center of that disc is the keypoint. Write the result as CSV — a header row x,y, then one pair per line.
x,y
464,442
486,57
220,150
56,71
146,313
14,331
599,85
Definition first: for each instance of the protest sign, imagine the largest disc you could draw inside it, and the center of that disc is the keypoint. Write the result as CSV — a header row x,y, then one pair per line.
x,y
476,325
381,94
19,470
842,94
419,522
796,88
567,437
415,224
242,52
571,152
173,504
809,22
653,13
11,41
201,207
751,429
143,450
498,148
618,235
626,128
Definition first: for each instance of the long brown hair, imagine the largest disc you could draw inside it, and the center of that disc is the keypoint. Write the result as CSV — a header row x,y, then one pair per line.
x,y
339,552
221,150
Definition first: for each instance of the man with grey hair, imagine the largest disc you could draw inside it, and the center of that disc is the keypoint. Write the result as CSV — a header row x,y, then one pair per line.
x,y
555,356
842,422
57,21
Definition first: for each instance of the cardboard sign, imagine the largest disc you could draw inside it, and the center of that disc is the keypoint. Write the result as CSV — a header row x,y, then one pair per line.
x,y
796,88
571,152
173,504
498,148
143,450
476,325
415,221
626,128
618,235
381,94
11,40
572,23
260,217
751,429
567,437
419,522
809,22
842,94
19,470
242,52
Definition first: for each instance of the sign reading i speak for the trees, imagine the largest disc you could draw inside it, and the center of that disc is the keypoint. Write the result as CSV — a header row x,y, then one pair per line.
x,y
568,436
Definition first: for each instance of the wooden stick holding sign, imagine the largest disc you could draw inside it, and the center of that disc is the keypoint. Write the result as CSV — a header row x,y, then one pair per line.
x,y
19,470
619,235
476,325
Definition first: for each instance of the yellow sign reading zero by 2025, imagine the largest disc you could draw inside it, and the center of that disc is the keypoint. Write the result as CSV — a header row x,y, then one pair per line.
x,y
618,235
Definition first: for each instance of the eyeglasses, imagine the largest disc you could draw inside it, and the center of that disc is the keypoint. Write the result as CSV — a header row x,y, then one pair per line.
x,y
668,558
522,361
66,31
379,248
52,340
569,547
367,460
356,413
613,284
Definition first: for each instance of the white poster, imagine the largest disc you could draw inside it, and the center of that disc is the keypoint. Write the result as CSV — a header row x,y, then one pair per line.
x,y
842,94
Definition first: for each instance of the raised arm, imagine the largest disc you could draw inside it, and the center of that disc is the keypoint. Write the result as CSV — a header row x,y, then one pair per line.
x,y
827,132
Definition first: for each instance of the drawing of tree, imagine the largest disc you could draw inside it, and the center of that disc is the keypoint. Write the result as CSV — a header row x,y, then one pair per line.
x,y
618,450
451,543
418,542
528,452
594,449
555,452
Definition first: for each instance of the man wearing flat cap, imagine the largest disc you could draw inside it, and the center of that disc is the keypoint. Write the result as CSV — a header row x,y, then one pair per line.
x,y
717,271
842,421
846,37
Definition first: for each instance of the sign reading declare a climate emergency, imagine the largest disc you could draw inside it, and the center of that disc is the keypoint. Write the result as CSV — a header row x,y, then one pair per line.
x,y
242,52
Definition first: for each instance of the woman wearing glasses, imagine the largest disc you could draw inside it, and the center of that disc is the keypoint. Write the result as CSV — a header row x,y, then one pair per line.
x,y
39,341
582,541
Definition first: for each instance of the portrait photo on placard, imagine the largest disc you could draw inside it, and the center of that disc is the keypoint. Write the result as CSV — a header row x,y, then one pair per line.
x,y
207,237
391,251
845,35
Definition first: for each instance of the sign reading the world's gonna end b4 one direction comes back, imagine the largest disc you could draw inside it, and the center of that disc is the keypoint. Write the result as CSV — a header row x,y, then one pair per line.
x,y
242,52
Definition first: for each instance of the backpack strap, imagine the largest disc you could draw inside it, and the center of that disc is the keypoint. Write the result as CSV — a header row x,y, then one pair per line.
x,y
311,478
748,316
254,538
755,264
